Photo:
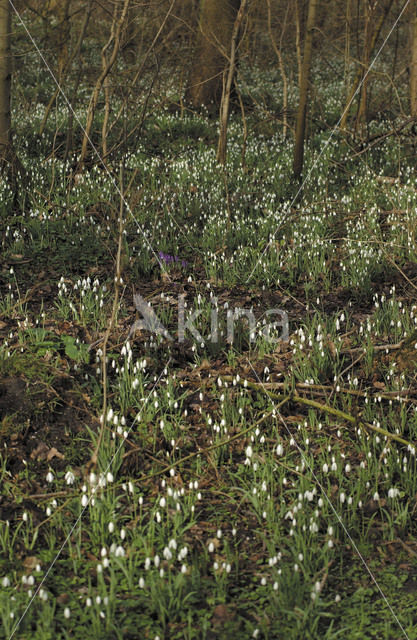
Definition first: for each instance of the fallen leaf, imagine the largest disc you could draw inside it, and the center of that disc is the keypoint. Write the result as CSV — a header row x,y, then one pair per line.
x,y
40,452
221,615
54,453
379,385
63,598
30,562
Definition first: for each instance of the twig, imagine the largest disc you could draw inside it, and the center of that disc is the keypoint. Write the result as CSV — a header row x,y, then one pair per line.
x,y
387,395
327,409
118,281
222,443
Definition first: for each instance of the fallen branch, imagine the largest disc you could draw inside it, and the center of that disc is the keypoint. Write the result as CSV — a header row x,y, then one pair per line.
x,y
294,397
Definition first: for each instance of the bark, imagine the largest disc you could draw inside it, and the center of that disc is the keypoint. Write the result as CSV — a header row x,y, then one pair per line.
x,y
413,64
114,40
5,77
76,57
212,51
305,75
227,85
363,69
278,53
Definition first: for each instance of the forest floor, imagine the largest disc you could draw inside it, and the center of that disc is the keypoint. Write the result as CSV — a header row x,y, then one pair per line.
x,y
244,487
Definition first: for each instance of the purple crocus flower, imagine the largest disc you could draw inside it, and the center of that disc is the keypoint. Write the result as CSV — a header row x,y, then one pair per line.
x,y
165,257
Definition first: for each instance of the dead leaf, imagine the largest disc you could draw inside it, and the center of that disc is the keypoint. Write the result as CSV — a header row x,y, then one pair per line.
x,y
63,598
30,563
40,452
379,385
43,452
332,348
54,453
222,614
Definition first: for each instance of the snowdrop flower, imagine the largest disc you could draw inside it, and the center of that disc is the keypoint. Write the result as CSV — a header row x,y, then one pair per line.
x,y
393,492
69,477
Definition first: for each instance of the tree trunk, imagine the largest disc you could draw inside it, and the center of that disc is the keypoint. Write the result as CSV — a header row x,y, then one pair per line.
x,y
363,69
413,64
114,40
227,85
212,51
5,78
305,75
361,116
278,53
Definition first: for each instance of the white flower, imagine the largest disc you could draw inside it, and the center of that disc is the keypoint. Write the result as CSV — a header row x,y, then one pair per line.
x,y
393,492
167,553
69,477
67,613
49,477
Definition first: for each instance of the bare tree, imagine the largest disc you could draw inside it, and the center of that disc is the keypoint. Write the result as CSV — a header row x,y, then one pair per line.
x,y
5,79
372,29
227,85
305,75
108,61
413,63
217,18
278,53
